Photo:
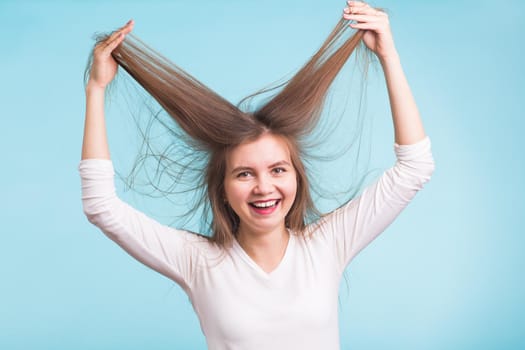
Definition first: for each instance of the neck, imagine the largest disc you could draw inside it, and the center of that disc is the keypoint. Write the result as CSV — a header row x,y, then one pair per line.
x,y
257,244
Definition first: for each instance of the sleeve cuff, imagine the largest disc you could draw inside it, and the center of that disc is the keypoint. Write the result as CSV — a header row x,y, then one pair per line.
x,y
93,165
412,151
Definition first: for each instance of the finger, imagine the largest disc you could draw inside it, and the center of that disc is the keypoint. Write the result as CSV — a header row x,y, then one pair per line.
x,y
362,10
349,10
357,3
111,37
109,46
116,34
112,42
115,42
128,27
354,9
365,26
108,50
360,18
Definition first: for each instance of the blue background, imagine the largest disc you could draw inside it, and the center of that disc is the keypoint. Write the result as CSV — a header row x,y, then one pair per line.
x,y
447,274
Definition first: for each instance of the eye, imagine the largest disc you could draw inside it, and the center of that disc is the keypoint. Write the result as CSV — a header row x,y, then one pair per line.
x,y
279,170
244,174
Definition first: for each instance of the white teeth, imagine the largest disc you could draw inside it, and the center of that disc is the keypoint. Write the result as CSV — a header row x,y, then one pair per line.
x,y
265,204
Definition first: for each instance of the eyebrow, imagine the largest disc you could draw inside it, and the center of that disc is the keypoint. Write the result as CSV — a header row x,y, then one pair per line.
x,y
244,168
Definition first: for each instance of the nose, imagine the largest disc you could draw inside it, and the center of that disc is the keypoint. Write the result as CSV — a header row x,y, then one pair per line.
x,y
263,186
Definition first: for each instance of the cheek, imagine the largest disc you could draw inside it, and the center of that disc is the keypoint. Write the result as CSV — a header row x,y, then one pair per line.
x,y
234,192
291,188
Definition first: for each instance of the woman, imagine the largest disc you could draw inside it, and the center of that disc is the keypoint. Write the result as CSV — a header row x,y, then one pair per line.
x,y
266,278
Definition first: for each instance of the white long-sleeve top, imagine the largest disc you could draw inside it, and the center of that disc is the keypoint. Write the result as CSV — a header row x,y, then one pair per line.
x,y
239,305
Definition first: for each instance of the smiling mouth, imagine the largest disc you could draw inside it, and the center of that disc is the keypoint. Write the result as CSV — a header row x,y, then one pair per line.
x,y
266,204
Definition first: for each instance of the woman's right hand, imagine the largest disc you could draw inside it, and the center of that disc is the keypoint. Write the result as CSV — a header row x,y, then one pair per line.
x,y
104,66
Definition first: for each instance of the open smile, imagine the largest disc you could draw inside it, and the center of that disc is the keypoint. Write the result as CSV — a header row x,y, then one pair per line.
x,y
265,207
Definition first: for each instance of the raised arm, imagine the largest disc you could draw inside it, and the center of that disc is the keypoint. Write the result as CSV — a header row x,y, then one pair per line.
x,y
408,126
353,226
103,70
171,252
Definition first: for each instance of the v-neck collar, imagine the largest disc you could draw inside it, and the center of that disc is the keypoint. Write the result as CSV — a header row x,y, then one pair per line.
x,y
267,275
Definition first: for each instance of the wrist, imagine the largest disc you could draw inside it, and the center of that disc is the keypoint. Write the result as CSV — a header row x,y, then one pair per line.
x,y
92,87
389,57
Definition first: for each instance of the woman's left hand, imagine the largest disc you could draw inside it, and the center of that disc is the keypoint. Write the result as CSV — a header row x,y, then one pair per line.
x,y
378,36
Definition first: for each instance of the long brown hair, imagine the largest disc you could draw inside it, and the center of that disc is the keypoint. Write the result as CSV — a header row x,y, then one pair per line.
x,y
215,126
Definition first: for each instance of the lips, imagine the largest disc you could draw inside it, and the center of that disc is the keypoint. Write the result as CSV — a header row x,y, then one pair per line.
x,y
265,204
265,207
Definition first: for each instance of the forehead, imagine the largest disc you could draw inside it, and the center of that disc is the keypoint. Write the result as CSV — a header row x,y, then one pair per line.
x,y
265,150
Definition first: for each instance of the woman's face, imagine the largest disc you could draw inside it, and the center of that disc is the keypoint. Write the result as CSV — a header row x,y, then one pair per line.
x,y
260,183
